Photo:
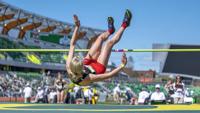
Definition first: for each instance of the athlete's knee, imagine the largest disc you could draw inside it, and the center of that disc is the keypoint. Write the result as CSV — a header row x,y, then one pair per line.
x,y
100,38
113,41
104,36
110,43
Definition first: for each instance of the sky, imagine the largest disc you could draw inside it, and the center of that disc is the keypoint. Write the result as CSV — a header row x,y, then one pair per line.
x,y
154,21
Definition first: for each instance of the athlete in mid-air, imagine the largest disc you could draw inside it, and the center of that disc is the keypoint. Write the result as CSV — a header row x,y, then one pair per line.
x,y
93,67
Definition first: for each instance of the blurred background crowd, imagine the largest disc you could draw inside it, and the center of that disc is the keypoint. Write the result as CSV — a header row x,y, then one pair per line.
x,y
50,88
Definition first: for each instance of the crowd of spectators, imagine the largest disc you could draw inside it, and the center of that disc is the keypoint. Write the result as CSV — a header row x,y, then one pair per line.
x,y
48,89
11,86
58,89
173,92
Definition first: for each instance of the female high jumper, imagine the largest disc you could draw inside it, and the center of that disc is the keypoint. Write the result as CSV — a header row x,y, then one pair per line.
x,y
92,68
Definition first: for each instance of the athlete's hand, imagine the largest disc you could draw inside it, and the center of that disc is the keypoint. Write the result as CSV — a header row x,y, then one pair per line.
x,y
124,59
76,21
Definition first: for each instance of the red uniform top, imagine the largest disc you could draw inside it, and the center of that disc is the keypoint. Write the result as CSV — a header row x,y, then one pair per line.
x,y
98,67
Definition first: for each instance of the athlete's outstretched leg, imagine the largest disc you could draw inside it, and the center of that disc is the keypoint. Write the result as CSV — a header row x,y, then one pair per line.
x,y
105,53
94,51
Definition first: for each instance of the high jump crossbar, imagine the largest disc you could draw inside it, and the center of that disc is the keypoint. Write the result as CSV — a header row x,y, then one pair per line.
x,y
114,50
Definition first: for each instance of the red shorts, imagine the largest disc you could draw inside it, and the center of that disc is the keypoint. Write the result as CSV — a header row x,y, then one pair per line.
x,y
98,67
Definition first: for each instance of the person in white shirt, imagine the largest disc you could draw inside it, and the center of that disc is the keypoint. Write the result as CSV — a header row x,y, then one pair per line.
x,y
158,96
143,96
116,93
40,95
76,89
27,93
52,96
88,95
91,94
178,96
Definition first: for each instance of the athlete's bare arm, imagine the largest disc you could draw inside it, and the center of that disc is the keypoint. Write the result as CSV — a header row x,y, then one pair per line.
x,y
100,77
72,43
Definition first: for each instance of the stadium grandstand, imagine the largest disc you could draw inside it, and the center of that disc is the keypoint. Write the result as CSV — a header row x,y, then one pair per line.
x,y
185,64
23,29
166,59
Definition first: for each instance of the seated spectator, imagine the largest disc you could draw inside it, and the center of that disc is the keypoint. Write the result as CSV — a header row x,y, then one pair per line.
x,y
102,96
131,96
188,96
178,96
79,95
39,96
27,93
52,96
143,97
122,97
158,97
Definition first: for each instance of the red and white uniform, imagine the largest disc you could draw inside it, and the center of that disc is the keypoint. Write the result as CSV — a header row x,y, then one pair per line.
x,y
98,67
